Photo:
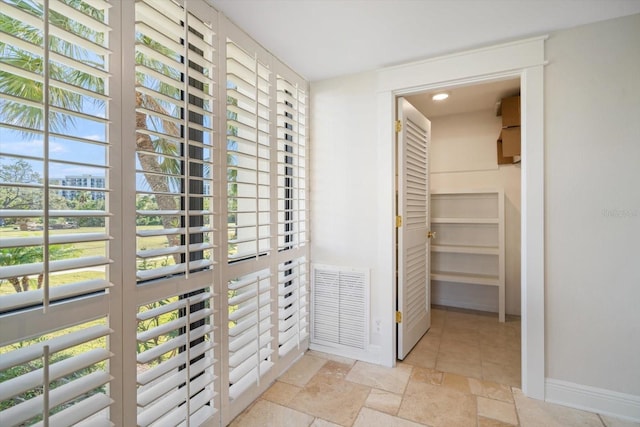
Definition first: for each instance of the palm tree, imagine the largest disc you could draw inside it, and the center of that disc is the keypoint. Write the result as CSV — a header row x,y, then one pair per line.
x,y
28,117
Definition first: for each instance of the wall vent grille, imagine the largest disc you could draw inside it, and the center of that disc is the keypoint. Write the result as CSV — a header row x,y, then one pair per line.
x,y
340,301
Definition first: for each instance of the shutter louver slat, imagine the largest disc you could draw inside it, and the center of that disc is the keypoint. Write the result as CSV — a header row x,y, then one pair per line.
x,y
81,411
25,354
78,16
163,387
173,363
54,266
57,370
250,330
292,302
33,297
33,407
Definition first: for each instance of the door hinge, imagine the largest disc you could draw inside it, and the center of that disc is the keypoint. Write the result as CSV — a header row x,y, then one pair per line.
x,y
398,317
398,126
398,221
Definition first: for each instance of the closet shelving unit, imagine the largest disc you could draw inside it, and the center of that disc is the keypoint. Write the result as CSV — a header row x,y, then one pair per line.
x,y
470,244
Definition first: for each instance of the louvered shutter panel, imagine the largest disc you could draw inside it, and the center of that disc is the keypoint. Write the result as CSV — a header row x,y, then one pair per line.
x,y
293,308
174,125
54,115
175,102
62,212
250,331
73,361
248,155
176,378
292,146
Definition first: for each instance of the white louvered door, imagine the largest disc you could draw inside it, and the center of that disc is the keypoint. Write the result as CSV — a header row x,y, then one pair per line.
x,y
413,244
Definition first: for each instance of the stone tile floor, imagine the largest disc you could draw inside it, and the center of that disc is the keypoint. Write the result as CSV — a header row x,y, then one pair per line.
x,y
464,372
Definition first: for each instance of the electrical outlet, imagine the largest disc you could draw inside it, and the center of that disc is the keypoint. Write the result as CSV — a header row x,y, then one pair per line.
x,y
378,326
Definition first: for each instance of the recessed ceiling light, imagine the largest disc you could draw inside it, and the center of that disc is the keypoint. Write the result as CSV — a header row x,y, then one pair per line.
x,y
441,96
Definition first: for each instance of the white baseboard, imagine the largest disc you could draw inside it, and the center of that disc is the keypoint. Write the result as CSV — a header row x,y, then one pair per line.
x,y
370,355
598,400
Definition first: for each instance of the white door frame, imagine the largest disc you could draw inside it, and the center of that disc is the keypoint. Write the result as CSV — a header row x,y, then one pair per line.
x,y
523,59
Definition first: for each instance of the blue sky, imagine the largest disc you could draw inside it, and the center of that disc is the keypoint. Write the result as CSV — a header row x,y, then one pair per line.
x,y
12,142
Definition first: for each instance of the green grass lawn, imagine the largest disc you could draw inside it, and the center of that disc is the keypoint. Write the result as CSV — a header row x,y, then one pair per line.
x,y
85,249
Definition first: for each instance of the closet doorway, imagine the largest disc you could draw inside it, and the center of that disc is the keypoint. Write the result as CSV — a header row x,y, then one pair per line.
x,y
473,265
525,61
475,217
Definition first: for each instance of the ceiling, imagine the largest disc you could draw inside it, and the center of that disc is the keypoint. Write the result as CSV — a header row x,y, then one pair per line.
x,y
464,99
321,39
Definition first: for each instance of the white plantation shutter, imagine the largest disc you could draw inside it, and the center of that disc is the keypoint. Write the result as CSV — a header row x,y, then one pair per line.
x,y
54,118
267,259
248,155
175,105
72,360
176,379
293,304
250,331
174,116
39,153
116,140
292,155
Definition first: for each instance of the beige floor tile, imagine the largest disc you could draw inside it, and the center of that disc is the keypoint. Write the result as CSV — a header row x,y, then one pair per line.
x,y
488,422
455,334
269,414
456,382
389,379
491,390
467,323
502,374
429,342
507,355
502,341
449,344
615,422
304,369
461,325
437,406
384,401
426,375
330,397
421,358
368,418
436,329
319,422
327,356
281,393
534,413
500,329
459,364
497,410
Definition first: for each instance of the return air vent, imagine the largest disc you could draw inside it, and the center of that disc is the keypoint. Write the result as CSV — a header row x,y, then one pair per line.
x,y
340,301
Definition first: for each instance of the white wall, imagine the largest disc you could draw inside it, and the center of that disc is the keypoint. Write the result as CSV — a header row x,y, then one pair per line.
x,y
592,142
466,143
344,202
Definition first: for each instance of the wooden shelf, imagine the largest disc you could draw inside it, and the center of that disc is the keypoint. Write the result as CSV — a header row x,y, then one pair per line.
x,y
465,220
470,239
456,249
475,279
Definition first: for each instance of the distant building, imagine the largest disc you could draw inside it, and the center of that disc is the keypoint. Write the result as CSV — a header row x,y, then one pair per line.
x,y
78,183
